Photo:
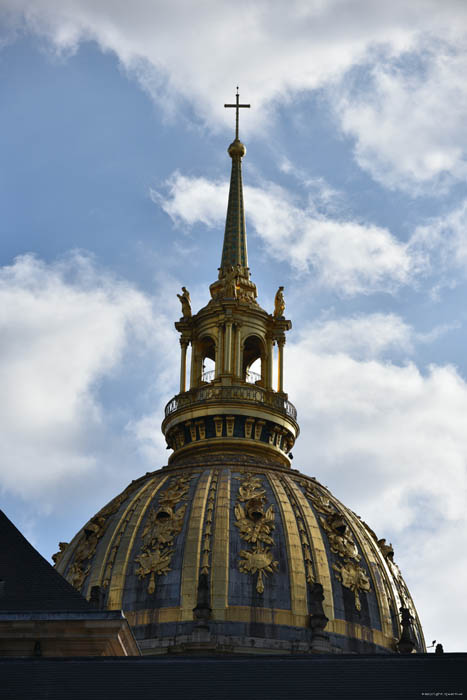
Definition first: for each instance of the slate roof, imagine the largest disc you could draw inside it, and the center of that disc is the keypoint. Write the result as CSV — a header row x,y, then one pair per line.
x,y
366,677
30,583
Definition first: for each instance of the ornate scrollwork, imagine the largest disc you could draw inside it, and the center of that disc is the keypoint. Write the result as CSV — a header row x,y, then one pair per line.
x,y
162,527
255,523
352,576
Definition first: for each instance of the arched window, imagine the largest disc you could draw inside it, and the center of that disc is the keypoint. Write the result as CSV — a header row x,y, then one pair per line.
x,y
254,359
207,355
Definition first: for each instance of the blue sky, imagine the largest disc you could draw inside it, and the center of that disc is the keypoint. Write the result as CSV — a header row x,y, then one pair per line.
x,y
113,186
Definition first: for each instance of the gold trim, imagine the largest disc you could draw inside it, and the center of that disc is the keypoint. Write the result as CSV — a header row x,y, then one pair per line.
x,y
117,582
298,592
320,559
191,554
220,549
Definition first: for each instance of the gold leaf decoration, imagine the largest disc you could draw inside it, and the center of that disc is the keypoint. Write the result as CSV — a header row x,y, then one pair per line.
x,y
162,527
255,523
352,576
340,538
259,560
252,531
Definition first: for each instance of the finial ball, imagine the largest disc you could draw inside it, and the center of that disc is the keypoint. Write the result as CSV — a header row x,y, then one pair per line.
x,y
236,148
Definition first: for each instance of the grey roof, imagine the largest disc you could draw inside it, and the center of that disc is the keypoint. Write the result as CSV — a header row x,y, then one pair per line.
x,y
30,583
366,677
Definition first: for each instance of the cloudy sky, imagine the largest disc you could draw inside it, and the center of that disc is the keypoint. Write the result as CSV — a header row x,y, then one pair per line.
x,y
113,184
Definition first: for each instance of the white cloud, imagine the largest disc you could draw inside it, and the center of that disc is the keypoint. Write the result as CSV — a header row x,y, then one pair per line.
x,y
346,256
366,336
409,124
390,427
444,240
65,327
409,119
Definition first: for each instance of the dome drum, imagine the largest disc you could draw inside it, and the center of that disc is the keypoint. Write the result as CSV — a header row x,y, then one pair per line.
x,y
231,417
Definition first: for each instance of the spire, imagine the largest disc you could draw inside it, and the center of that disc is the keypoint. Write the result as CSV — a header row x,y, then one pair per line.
x,y
234,251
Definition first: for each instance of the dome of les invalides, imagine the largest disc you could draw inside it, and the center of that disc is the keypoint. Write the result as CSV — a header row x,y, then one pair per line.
x,y
227,549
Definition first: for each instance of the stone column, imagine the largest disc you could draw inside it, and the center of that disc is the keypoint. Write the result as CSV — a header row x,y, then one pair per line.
x,y
193,365
280,365
238,351
269,363
220,350
228,347
183,345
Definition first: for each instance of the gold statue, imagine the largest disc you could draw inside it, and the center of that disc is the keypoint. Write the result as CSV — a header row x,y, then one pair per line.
x,y
279,304
185,302
230,283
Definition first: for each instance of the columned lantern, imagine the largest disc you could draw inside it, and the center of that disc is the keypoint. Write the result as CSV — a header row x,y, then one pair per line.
x,y
227,549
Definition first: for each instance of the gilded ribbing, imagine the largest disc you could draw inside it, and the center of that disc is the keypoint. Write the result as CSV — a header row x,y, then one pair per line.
x,y
298,593
191,554
117,581
220,550
318,548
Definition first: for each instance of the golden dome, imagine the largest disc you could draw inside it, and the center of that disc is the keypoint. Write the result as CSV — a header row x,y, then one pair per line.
x,y
259,536
227,548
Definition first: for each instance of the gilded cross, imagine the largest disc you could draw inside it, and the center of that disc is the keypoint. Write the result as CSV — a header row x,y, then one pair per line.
x,y
237,106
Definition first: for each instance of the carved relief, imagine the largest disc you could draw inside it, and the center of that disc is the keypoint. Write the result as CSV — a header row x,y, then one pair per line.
x,y
352,576
164,524
255,523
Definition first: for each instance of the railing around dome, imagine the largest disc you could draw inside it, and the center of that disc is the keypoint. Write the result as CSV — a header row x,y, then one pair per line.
x,y
215,393
251,377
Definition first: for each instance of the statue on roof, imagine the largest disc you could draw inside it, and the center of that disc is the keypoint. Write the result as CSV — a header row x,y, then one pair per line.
x,y
185,302
279,304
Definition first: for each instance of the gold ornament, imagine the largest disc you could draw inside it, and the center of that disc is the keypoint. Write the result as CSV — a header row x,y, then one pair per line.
x,y
352,576
161,529
255,525
340,539
259,560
